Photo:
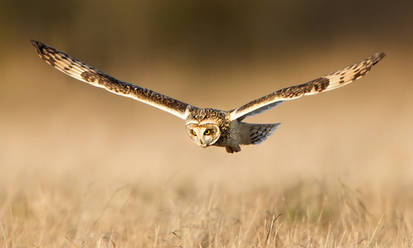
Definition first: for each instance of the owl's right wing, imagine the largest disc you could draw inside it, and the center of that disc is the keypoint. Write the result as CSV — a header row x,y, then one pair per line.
x,y
79,70
329,82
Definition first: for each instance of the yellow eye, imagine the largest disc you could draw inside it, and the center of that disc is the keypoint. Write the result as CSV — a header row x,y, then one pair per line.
x,y
193,132
208,132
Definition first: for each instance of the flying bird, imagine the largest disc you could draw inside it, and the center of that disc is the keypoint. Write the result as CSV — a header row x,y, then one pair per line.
x,y
208,126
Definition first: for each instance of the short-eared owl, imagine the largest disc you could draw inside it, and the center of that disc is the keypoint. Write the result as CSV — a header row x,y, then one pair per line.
x,y
208,126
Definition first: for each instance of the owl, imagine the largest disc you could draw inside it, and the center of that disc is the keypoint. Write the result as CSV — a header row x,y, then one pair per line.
x,y
208,126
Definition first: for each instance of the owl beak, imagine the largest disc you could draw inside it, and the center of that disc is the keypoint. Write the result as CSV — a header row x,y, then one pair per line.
x,y
203,145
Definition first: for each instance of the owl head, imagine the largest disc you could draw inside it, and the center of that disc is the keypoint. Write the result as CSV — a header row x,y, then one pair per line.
x,y
203,134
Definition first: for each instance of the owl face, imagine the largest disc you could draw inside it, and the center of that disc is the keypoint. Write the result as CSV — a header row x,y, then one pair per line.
x,y
203,134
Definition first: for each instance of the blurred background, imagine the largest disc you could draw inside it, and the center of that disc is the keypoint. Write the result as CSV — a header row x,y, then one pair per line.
x,y
58,133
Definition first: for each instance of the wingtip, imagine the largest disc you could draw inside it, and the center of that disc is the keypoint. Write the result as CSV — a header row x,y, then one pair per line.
x,y
377,57
275,126
38,45
381,55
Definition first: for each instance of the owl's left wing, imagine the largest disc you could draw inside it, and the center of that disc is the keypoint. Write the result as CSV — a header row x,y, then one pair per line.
x,y
88,74
329,82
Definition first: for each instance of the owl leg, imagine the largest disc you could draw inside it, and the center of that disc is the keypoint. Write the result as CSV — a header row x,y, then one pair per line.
x,y
232,149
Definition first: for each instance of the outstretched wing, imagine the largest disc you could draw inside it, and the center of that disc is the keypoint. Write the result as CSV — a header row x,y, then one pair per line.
x,y
329,82
79,70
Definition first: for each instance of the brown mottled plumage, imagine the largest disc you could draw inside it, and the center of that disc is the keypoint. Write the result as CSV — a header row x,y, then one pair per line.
x,y
207,126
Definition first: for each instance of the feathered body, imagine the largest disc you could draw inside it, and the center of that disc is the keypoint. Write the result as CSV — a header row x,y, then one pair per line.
x,y
208,126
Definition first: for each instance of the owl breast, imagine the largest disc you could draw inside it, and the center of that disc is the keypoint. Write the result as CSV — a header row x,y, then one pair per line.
x,y
230,134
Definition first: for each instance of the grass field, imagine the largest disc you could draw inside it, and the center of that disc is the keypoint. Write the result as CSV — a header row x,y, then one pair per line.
x,y
83,168
303,214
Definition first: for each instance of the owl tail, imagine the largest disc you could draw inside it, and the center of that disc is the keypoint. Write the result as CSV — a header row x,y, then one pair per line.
x,y
256,133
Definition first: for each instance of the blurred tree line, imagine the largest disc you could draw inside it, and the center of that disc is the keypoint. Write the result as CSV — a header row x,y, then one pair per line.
x,y
200,29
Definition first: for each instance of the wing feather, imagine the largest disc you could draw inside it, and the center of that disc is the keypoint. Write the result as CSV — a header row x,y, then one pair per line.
x,y
88,74
329,82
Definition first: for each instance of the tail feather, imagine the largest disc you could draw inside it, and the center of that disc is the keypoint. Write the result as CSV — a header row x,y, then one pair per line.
x,y
257,133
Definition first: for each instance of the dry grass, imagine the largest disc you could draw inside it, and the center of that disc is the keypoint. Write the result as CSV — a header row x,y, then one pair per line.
x,y
303,214
83,169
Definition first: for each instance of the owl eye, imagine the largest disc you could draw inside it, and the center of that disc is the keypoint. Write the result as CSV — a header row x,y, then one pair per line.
x,y
208,132
193,132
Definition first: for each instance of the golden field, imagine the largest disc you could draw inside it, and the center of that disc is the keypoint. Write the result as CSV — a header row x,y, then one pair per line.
x,y
81,167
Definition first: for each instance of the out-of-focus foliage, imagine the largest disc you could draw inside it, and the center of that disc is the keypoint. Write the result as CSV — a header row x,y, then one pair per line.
x,y
202,30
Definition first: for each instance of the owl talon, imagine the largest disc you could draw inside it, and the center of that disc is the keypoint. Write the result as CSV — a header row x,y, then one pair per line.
x,y
232,149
